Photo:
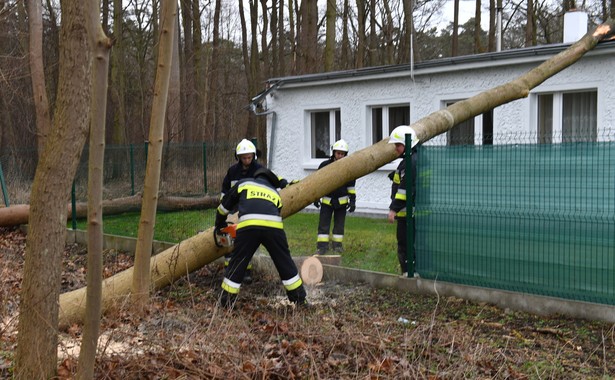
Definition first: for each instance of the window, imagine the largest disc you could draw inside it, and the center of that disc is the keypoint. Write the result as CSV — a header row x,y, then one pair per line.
x,y
325,129
385,118
571,115
464,133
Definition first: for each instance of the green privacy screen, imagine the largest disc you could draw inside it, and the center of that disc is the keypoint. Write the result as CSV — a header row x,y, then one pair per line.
x,y
527,218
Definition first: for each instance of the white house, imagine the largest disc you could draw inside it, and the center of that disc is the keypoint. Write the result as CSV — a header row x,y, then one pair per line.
x,y
307,113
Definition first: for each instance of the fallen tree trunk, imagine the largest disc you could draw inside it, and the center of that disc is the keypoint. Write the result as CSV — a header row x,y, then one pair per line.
x,y
199,250
19,214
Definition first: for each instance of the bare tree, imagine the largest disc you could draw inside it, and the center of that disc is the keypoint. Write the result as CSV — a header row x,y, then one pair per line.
x,y
308,37
361,20
37,72
98,109
455,38
38,310
477,28
345,55
118,78
330,46
492,26
530,31
147,221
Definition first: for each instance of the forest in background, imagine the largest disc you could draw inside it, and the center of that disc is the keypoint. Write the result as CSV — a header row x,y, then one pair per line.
x,y
225,50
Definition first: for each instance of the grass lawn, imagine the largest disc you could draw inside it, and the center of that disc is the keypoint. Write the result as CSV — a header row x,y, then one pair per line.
x,y
369,243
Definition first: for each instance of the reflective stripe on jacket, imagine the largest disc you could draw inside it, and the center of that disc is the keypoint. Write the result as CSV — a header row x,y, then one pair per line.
x,y
258,204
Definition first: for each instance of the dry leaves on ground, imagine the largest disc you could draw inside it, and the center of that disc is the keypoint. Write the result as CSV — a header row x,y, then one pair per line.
x,y
348,332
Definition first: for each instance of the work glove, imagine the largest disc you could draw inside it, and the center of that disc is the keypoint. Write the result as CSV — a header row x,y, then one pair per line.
x,y
294,181
351,207
220,226
317,204
391,175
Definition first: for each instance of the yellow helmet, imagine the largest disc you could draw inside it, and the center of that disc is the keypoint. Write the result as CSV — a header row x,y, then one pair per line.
x,y
399,135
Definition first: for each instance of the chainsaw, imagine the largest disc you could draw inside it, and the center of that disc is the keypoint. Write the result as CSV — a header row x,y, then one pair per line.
x,y
225,237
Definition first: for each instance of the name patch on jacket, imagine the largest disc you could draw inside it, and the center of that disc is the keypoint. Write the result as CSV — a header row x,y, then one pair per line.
x,y
270,196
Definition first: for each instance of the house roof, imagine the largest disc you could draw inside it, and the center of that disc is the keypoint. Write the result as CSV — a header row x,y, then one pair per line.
x,y
443,64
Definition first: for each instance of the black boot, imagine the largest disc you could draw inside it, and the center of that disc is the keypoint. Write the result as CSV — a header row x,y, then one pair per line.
x,y
247,278
227,300
297,296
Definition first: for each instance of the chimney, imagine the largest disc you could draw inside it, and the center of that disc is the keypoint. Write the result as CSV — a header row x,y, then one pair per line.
x,y
575,25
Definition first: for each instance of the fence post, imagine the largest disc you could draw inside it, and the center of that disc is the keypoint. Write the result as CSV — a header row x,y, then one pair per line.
x,y
132,170
204,169
5,193
410,195
73,203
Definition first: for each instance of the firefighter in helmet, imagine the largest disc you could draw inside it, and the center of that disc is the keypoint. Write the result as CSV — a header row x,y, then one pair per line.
x,y
245,167
397,208
259,205
334,206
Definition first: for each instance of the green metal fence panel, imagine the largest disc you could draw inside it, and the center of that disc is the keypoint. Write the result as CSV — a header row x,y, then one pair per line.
x,y
529,218
5,192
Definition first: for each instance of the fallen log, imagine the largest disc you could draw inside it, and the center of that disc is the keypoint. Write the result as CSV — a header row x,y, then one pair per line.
x,y
19,214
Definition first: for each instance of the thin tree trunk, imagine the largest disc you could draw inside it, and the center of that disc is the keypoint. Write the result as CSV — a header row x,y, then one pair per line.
x,y
346,56
455,38
37,73
211,126
361,18
387,34
372,53
492,25
118,80
199,250
529,26
37,340
100,73
478,48
282,41
145,237
329,54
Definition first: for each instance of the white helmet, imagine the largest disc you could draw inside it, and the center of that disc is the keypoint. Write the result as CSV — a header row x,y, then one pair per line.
x,y
399,135
340,145
245,146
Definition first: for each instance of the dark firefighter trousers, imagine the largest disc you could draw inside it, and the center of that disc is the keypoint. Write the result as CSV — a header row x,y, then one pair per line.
x,y
274,240
324,224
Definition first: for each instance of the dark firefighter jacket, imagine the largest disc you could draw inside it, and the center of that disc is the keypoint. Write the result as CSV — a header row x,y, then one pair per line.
x,y
341,196
258,203
398,188
237,172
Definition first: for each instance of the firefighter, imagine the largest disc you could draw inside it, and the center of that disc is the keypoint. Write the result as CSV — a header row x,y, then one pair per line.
x,y
397,208
334,206
245,167
259,205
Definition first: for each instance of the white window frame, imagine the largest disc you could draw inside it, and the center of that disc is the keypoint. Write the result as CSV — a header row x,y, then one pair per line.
x,y
478,123
558,100
310,161
386,128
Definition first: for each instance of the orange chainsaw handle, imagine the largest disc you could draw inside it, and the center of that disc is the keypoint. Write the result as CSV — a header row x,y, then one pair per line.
x,y
231,229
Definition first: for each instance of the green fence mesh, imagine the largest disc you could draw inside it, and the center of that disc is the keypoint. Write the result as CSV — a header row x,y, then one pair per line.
x,y
528,218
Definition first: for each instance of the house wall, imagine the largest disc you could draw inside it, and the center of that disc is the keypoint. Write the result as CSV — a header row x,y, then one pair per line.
x,y
290,104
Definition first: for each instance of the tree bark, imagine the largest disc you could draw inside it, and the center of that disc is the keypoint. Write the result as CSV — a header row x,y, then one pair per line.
x,y
477,28
37,340
455,37
37,73
145,235
330,46
361,18
118,80
100,73
200,250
